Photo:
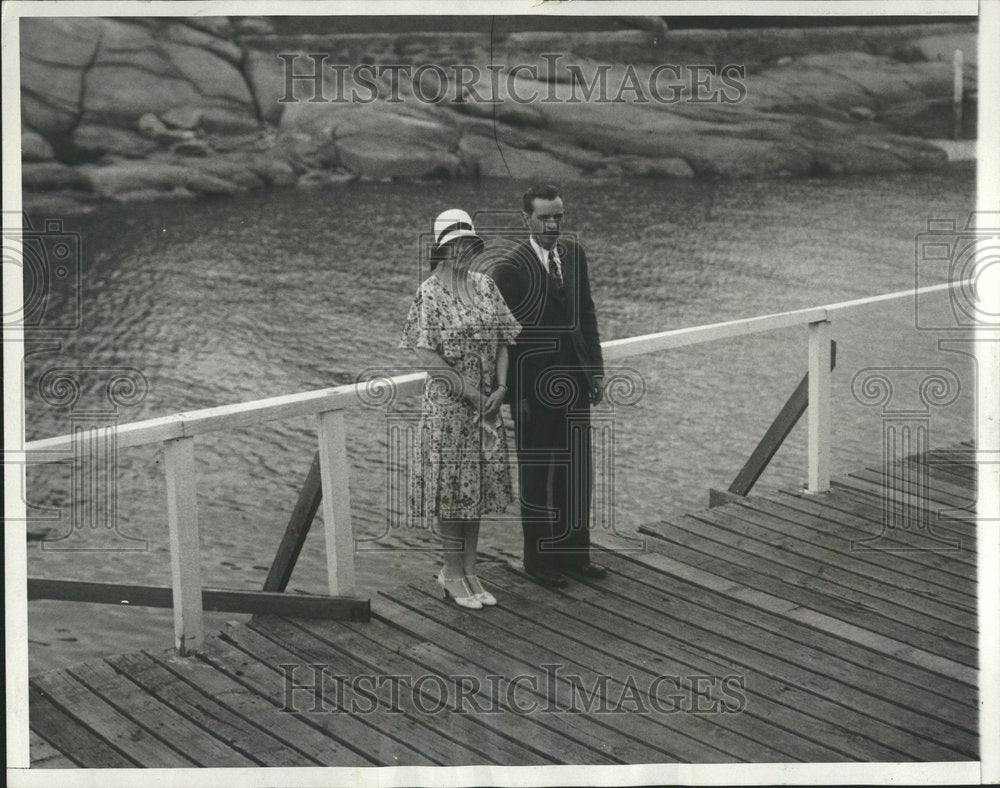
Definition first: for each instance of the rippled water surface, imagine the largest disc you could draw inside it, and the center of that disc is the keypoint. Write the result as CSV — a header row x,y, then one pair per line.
x,y
269,294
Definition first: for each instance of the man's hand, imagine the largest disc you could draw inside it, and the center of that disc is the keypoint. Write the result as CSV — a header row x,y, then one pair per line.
x,y
596,389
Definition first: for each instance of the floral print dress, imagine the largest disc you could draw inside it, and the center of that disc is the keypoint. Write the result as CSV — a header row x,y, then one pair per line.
x,y
459,471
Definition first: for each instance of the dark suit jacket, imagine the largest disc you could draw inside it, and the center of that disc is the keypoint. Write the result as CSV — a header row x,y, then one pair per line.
x,y
559,327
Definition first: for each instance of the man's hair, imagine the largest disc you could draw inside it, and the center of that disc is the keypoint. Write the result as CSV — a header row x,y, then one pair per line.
x,y
538,191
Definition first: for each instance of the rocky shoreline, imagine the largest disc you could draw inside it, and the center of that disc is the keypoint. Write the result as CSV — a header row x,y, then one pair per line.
x,y
134,109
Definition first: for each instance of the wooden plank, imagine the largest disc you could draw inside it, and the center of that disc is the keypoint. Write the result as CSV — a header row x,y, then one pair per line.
x,y
775,435
920,578
840,516
666,340
69,735
902,728
901,294
838,510
61,447
819,406
720,497
932,494
136,741
956,526
864,500
216,720
227,417
44,756
806,550
593,731
438,714
384,649
297,735
911,472
580,660
767,730
877,486
179,732
344,699
791,697
796,642
334,475
306,506
954,529
773,560
345,730
672,579
800,603
185,551
287,406
213,599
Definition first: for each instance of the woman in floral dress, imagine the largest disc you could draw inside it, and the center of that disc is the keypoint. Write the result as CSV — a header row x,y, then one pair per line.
x,y
460,327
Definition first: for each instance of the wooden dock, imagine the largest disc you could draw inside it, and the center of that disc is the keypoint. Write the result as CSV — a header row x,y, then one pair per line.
x,y
770,629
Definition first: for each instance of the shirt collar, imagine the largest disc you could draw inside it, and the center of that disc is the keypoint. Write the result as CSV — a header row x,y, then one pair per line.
x,y
541,253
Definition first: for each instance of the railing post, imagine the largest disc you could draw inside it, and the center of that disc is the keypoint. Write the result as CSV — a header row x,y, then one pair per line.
x,y
819,406
185,553
334,475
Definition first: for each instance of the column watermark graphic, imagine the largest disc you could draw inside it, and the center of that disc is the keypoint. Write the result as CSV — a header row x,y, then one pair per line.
x,y
48,258
907,523
93,522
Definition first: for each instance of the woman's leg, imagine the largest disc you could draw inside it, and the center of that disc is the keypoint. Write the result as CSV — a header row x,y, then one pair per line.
x,y
454,535
453,547
471,531
471,550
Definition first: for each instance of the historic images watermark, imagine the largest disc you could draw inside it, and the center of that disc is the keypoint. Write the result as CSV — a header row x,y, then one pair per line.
x,y
966,256
522,83
318,688
48,258
404,418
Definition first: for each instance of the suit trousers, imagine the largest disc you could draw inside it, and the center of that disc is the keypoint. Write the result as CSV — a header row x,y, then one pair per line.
x,y
556,477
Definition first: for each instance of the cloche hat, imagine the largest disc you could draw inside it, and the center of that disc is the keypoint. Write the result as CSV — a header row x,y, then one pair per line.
x,y
452,225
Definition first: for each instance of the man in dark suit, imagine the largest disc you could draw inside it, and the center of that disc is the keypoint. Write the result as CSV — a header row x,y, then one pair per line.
x,y
556,374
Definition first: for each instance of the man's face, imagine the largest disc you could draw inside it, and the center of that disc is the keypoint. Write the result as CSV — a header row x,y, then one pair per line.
x,y
544,220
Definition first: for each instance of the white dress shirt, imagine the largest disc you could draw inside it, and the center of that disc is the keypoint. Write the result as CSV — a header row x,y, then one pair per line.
x,y
543,255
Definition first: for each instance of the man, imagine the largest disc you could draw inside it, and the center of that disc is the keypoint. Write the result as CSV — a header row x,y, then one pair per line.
x,y
556,374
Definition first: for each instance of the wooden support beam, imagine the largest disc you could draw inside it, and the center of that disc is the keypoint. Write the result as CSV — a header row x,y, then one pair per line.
x,y
215,600
780,429
819,406
721,497
336,501
185,552
297,529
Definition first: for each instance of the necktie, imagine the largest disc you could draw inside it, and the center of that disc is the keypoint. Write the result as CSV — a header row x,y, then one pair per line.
x,y
555,269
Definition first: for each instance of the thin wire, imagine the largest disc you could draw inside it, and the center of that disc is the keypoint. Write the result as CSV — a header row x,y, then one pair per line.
x,y
496,136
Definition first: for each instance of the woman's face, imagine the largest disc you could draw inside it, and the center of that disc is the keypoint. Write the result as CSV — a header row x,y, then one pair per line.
x,y
464,251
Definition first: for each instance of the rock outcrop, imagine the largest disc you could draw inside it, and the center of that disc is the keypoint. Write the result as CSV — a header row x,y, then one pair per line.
x,y
144,108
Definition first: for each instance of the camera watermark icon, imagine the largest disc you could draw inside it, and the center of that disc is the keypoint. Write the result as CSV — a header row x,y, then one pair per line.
x,y
93,398
967,256
909,522
48,259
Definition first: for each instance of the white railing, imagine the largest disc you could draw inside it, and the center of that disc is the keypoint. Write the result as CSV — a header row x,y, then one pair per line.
x,y
176,433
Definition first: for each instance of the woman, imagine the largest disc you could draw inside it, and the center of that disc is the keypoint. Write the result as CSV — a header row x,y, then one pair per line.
x,y
459,327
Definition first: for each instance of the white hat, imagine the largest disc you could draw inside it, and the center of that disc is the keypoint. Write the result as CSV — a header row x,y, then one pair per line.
x,y
453,224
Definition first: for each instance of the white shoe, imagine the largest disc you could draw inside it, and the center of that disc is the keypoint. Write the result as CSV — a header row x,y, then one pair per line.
x,y
480,593
451,589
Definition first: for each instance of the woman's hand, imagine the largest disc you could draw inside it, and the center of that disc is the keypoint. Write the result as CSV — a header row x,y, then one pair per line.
x,y
475,398
492,405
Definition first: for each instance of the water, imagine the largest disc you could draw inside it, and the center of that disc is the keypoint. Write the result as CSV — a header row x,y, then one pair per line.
x,y
274,293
